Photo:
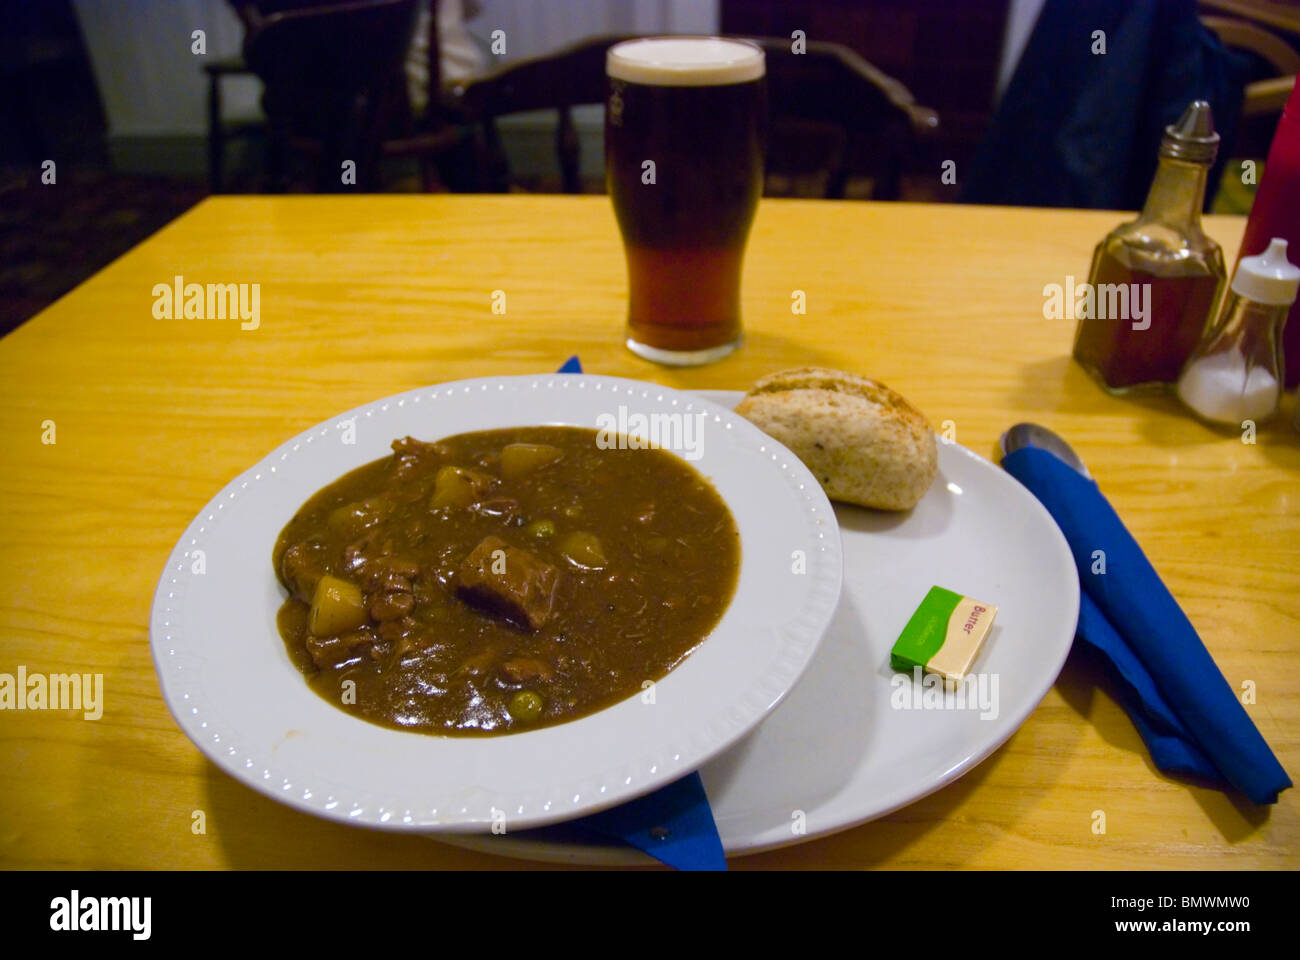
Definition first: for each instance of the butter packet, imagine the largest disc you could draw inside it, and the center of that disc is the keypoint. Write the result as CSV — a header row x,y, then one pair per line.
x,y
944,634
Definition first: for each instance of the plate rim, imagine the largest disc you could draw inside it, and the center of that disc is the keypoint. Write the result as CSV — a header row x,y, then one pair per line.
x,y
796,651
551,851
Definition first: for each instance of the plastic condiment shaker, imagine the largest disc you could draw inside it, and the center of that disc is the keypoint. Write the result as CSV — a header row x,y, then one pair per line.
x,y
1236,374
1276,213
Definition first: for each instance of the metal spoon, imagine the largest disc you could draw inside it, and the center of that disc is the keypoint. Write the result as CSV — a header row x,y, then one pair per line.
x,y
1033,435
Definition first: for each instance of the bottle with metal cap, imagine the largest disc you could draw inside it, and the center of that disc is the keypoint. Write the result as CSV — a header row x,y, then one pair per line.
x,y
1236,374
1155,282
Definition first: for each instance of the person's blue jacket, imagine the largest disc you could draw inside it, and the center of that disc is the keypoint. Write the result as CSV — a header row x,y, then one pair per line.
x,y
1078,128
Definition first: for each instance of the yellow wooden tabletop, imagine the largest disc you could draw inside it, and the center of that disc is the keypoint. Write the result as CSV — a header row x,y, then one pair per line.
x,y
367,296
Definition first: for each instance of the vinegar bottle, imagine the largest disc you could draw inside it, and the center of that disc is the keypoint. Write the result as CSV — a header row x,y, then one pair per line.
x,y
1166,261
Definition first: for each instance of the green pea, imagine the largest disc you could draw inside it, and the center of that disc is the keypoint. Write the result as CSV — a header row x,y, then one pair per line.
x,y
541,529
525,706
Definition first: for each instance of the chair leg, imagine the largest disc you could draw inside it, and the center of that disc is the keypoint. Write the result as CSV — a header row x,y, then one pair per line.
x,y
277,151
460,168
836,180
566,146
430,182
495,167
838,167
216,143
890,186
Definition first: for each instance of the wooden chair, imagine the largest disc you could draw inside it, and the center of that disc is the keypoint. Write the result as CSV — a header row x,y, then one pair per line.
x,y
1263,98
335,88
833,88
218,130
828,86
1267,96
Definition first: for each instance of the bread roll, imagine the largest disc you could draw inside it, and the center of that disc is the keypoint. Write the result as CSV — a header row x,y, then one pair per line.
x,y
863,442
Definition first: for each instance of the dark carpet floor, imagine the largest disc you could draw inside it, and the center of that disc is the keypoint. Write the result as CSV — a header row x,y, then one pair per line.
x,y
52,237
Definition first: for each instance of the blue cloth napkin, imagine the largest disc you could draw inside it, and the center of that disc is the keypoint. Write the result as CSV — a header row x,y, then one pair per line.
x,y
1184,710
675,823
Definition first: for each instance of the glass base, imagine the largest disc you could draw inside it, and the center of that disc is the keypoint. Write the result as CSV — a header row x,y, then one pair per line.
x,y
682,358
1151,388
1147,388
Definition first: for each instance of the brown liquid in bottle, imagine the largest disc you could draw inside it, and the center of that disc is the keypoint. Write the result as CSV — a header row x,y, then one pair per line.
x,y
1178,271
1179,308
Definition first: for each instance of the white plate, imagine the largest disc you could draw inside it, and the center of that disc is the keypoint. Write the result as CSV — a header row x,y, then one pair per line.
x,y
229,683
836,751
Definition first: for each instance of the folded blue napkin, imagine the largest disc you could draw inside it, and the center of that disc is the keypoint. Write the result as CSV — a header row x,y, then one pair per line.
x,y
675,823
1183,708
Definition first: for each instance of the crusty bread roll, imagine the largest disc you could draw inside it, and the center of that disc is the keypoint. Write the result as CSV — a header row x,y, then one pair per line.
x,y
864,442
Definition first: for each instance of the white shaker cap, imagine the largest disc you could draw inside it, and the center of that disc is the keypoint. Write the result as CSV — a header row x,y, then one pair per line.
x,y
1269,277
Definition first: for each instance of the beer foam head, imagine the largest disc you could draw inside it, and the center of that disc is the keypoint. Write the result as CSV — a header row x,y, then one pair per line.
x,y
684,61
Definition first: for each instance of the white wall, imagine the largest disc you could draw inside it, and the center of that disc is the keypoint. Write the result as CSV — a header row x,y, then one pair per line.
x,y
153,88
537,26
150,83
533,27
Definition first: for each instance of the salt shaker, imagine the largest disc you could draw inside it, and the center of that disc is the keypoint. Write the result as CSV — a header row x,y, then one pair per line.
x,y
1236,373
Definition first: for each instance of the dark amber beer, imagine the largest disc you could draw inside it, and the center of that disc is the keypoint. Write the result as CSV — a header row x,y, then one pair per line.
x,y
684,144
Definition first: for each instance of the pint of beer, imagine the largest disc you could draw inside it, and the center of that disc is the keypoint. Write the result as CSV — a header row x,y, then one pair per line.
x,y
684,144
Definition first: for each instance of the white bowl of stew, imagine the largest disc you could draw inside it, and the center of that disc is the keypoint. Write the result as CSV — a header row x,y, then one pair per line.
x,y
496,603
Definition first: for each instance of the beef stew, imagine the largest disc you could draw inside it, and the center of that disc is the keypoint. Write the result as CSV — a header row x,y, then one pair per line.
x,y
502,580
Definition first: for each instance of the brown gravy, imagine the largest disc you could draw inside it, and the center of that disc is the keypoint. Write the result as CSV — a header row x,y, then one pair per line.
x,y
502,580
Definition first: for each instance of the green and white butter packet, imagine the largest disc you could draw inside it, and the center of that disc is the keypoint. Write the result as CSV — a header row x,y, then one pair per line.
x,y
944,635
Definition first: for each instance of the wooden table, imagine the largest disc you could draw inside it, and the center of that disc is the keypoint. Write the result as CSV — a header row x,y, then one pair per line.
x,y
363,297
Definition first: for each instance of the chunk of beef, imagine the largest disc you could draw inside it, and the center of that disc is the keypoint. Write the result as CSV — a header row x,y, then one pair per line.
x,y
511,583
391,606
479,663
410,447
411,456
302,566
402,628
389,575
329,652
497,507
526,669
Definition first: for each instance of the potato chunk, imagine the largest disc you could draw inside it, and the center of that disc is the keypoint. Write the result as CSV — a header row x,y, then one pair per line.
x,y
518,459
583,550
353,519
337,607
457,487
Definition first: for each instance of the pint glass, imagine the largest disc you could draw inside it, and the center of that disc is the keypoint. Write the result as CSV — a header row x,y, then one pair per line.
x,y
684,145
